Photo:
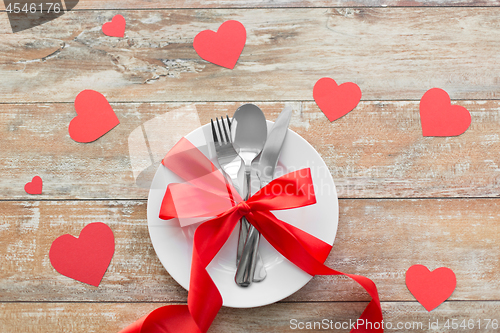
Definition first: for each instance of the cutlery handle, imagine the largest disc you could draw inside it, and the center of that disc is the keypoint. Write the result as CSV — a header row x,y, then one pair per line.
x,y
244,225
252,259
260,271
246,266
247,189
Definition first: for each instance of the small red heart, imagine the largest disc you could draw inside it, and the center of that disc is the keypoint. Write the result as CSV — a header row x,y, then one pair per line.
x,y
95,117
115,28
34,186
223,47
430,288
336,101
87,257
439,117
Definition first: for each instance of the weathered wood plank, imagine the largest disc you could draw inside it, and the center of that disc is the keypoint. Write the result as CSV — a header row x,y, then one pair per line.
x,y
392,53
98,317
196,4
379,239
29,228
377,150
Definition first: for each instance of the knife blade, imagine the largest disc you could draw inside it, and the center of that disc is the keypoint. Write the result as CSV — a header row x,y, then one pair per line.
x,y
272,148
265,171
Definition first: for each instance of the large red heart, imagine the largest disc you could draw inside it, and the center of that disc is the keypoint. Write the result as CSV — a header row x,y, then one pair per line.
x,y
430,288
34,186
336,101
439,117
223,47
115,28
87,257
95,117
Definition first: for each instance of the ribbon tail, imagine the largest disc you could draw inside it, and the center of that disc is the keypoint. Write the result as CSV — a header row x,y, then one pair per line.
x,y
370,320
290,243
316,247
170,319
136,326
204,299
367,284
167,319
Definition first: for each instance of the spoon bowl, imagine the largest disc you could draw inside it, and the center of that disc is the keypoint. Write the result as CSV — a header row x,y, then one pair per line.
x,y
249,132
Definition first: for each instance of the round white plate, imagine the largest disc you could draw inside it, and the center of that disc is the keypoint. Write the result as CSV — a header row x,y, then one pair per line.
x,y
173,244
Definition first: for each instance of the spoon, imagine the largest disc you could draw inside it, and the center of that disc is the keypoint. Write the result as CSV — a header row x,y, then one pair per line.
x,y
249,134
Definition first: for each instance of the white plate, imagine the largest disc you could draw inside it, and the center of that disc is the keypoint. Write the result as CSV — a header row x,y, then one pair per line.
x,y
173,244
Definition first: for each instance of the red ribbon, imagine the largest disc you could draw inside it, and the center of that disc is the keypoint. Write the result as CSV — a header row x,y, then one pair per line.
x,y
205,194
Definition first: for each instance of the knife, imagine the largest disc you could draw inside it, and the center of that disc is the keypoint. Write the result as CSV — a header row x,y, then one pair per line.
x,y
265,171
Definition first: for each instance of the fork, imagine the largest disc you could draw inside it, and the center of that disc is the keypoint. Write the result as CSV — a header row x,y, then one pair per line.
x,y
230,162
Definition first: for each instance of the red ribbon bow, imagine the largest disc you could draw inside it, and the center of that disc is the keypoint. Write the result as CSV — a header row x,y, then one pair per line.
x,y
206,184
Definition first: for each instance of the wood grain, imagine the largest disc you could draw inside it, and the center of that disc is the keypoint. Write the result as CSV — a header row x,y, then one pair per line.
x,y
391,53
376,151
405,199
379,239
195,4
101,317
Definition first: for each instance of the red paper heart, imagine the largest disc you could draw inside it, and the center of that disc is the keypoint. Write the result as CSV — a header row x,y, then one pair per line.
x,y
95,117
439,117
336,101
115,28
34,186
87,257
223,47
430,288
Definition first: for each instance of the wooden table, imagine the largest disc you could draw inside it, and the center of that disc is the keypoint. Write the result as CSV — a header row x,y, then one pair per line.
x,y
404,199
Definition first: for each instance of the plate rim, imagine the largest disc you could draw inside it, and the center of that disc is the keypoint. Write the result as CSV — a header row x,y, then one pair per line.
x,y
292,290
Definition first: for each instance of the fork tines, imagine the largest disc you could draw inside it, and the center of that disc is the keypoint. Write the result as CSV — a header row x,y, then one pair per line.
x,y
224,133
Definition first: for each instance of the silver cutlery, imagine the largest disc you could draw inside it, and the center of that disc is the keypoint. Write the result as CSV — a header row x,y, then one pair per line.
x,y
249,134
230,162
227,157
267,165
